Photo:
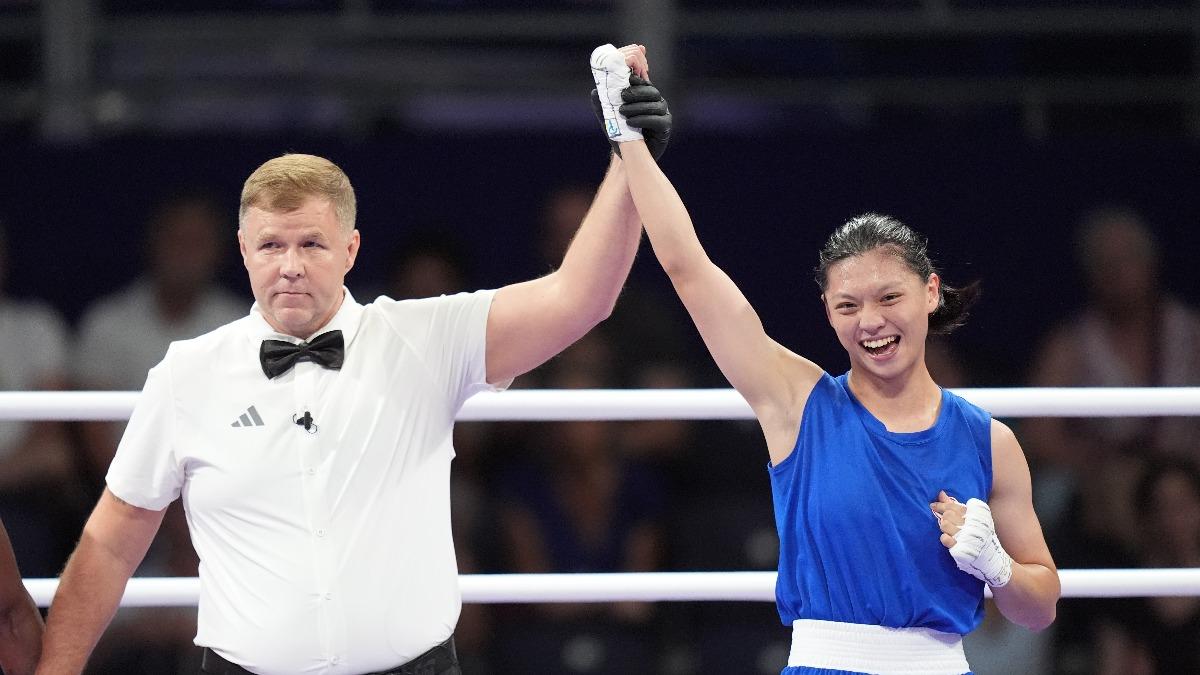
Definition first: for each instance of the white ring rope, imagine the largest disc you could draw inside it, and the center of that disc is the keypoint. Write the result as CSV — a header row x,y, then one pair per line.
x,y
640,404
645,404
656,587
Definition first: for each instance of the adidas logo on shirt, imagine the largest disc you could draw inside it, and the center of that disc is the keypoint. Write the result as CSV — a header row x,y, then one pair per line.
x,y
249,418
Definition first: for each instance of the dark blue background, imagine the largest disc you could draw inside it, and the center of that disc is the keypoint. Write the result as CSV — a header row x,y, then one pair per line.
x,y
1001,208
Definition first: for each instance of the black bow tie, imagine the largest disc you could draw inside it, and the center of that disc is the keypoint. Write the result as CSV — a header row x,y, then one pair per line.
x,y
278,357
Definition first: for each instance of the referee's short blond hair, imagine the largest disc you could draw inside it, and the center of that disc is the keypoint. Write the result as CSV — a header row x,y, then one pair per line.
x,y
283,183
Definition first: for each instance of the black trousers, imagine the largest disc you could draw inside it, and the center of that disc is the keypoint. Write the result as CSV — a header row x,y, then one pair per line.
x,y
441,660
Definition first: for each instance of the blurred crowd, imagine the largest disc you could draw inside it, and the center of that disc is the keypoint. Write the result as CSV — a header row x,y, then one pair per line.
x,y
663,495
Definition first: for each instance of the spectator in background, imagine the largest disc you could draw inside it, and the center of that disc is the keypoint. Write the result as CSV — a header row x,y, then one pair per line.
x,y
1168,500
36,470
1131,333
579,504
1156,635
646,327
667,445
121,337
554,231
428,264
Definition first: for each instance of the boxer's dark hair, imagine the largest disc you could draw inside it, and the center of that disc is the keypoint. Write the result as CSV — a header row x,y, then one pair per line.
x,y
872,231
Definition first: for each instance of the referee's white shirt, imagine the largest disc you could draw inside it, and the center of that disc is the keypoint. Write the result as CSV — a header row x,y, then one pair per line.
x,y
326,551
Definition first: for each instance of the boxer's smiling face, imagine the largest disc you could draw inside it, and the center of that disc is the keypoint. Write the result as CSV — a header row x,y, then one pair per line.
x,y
880,309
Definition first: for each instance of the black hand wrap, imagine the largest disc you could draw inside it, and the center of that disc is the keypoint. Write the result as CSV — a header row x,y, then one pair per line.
x,y
644,108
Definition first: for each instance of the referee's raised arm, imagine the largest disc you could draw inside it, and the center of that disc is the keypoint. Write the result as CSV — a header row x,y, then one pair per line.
x,y
531,321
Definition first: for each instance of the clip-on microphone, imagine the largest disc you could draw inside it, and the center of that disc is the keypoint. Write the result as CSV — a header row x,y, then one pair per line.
x,y
306,421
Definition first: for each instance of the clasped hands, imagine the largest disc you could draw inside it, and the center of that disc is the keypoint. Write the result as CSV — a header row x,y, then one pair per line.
x,y
628,107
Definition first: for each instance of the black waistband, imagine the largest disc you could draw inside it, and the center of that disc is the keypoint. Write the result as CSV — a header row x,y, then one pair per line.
x,y
440,660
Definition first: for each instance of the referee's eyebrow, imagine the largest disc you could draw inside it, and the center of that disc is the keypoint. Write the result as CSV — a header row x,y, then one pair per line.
x,y
311,233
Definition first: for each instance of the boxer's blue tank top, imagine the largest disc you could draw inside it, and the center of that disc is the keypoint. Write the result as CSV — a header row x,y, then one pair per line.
x,y
858,542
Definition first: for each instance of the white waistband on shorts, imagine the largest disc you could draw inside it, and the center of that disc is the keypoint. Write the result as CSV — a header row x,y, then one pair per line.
x,y
876,649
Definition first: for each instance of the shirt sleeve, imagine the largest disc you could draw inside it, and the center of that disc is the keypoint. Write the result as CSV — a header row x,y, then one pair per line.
x,y
145,471
458,335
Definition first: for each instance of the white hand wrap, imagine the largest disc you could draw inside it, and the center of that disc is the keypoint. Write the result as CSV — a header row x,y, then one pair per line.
x,y
977,550
611,76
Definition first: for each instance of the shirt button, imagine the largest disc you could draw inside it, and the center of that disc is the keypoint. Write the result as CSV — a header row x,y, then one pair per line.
x,y
320,532
335,660
311,471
